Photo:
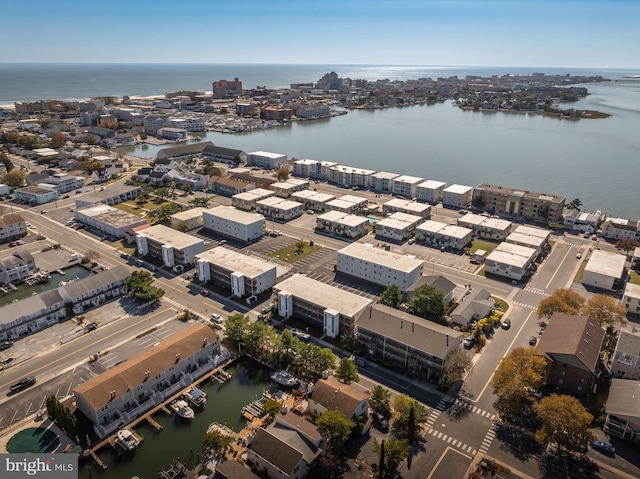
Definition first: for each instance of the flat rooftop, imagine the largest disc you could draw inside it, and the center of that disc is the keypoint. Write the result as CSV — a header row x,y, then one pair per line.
x,y
383,175
234,261
380,256
233,214
354,199
324,295
279,203
458,189
189,214
432,185
110,215
507,257
412,180
170,237
606,264
532,231
516,249
267,154
256,194
444,229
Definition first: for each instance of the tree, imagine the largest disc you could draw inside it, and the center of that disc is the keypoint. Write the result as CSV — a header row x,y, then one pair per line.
x,y
429,303
58,141
627,245
456,364
516,378
402,406
478,202
93,166
379,401
164,212
565,423
381,469
140,285
218,442
562,300
300,245
395,451
605,310
14,179
336,427
391,296
4,159
575,203
272,407
347,371
235,328
199,202
186,188
282,174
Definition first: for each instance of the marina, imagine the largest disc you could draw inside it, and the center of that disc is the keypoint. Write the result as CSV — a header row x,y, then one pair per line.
x,y
196,397
182,409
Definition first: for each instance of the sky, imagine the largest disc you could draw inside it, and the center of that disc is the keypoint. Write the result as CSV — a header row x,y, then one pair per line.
x,y
560,33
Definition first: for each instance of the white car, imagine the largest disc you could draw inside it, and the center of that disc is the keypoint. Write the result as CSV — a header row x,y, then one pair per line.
x,y
216,318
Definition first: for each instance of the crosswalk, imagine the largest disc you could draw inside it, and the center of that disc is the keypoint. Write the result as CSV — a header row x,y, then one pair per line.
x,y
523,305
488,439
536,291
453,442
461,403
174,303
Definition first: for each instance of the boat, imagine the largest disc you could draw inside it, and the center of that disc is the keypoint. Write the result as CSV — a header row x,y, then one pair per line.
x,y
196,397
127,440
284,378
182,409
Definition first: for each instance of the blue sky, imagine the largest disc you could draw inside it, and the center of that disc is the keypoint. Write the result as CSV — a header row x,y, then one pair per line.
x,y
575,33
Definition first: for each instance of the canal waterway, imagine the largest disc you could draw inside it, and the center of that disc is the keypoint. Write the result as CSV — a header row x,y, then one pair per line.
x,y
24,290
594,160
180,440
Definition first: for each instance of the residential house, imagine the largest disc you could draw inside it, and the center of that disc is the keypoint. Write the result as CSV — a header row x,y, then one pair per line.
x,y
571,345
440,283
96,289
17,267
474,304
605,270
625,362
620,228
623,410
352,400
12,227
631,298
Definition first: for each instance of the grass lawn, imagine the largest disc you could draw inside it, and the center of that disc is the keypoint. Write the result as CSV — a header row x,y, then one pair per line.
x,y
500,304
578,278
488,246
635,277
131,209
120,245
291,254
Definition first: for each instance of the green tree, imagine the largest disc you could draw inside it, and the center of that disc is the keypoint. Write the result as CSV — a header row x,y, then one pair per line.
x,y
395,451
456,364
272,407
93,166
627,245
14,179
563,300
402,406
336,427
379,401
58,141
164,212
199,202
478,202
300,245
346,371
381,468
236,327
428,302
186,188
4,159
140,286
575,203
543,212
516,378
92,140
161,193
391,296
218,442
282,174
565,423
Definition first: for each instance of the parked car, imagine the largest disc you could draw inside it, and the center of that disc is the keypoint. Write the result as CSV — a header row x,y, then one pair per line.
x,y
579,255
216,318
65,197
91,326
604,447
411,241
5,345
532,341
78,192
468,342
24,383
204,292
506,324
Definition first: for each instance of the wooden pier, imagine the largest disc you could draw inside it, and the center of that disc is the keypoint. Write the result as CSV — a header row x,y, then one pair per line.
x,y
153,422
92,454
221,376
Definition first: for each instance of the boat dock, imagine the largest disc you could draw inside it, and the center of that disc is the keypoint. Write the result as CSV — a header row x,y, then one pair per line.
x,y
255,409
113,442
221,376
177,469
155,423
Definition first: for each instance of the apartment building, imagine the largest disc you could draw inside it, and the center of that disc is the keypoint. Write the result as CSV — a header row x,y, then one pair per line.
x,y
312,200
350,177
188,220
342,224
531,237
494,229
625,362
276,208
434,233
247,200
243,275
378,266
234,223
405,186
382,181
605,270
397,226
418,346
266,160
313,169
621,228
36,195
350,204
226,89
107,219
285,189
520,203
457,196
171,246
510,260
17,267
335,309
12,227
430,191
631,298
398,205
114,195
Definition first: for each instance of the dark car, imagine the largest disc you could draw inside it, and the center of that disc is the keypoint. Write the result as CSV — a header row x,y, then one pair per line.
x,y
5,345
604,447
24,383
532,341
91,326
506,324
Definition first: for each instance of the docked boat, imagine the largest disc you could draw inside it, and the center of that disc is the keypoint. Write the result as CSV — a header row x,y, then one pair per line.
x,y
284,378
196,397
127,440
182,409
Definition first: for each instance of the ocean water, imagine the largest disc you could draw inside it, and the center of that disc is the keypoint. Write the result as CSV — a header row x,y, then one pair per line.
x,y
594,160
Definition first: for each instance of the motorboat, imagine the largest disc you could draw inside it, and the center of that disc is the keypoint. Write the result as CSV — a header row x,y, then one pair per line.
x,y
284,378
182,409
196,397
127,440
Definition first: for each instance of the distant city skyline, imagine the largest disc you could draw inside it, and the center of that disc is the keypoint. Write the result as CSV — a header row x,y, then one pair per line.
x,y
544,33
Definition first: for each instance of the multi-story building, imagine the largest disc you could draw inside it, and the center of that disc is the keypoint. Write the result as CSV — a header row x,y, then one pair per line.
x,y
228,186
335,309
96,289
279,209
244,275
312,110
529,236
227,89
247,201
234,223
623,413
188,220
171,246
457,196
406,186
487,228
31,314
312,200
173,134
124,392
382,181
350,177
342,224
605,270
266,160
284,189
107,219
378,266
313,169
418,346
12,227
510,260
434,233
430,191
625,362
17,267
114,195
397,205
520,203
397,226
348,204
620,228
65,182
35,195
631,298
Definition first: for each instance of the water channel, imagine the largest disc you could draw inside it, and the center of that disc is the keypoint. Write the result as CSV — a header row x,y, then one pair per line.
x,y
184,440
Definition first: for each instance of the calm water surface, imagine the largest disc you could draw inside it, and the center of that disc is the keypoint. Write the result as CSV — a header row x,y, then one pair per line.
x,y
178,438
